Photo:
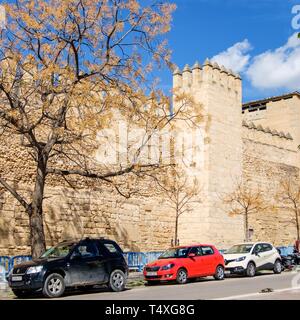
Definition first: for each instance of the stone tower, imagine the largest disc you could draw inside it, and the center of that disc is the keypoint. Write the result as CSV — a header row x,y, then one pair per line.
x,y
220,93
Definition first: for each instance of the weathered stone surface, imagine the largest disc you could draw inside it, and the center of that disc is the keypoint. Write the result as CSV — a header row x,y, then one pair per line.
x,y
233,149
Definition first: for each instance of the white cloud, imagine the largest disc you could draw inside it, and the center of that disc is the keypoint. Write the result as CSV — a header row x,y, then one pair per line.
x,y
235,57
277,69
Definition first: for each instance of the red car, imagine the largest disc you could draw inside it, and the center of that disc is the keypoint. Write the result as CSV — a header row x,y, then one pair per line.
x,y
186,262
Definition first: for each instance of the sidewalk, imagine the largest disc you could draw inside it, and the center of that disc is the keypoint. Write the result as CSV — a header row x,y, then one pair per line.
x,y
5,291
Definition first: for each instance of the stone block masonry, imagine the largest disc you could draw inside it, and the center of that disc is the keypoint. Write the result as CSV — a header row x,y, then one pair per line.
x,y
137,224
256,142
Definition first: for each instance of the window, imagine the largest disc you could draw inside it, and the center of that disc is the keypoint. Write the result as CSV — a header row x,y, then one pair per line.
x,y
196,250
175,253
267,247
240,248
255,107
207,251
258,248
252,109
59,251
110,247
87,250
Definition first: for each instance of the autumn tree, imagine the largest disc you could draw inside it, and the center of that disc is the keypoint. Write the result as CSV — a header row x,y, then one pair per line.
x,y
245,200
67,68
289,194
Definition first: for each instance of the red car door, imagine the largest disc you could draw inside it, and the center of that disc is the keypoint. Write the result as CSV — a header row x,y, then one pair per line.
x,y
194,261
208,261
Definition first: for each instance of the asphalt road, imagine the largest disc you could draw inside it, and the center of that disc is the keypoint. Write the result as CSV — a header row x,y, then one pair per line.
x,y
232,287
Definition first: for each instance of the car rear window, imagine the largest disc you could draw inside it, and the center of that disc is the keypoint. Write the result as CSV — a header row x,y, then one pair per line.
x,y
267,247
111,247
207,251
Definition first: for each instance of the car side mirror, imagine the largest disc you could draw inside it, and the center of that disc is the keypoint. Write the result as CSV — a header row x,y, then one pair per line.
x,y
192,255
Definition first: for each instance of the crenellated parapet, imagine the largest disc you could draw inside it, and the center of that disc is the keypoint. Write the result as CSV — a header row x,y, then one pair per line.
x,y
267,130
265,135
210,73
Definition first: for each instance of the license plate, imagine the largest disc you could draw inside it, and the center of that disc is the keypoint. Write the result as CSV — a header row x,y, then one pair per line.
x,y
151,274
17,278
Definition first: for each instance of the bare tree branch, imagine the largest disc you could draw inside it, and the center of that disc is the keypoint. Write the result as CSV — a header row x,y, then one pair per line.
x,y
13,191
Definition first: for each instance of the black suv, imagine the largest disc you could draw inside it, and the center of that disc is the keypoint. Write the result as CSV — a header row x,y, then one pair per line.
x,y
82,263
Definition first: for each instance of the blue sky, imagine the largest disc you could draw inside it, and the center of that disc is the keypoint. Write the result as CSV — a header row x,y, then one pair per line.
x,y
258,31
252,37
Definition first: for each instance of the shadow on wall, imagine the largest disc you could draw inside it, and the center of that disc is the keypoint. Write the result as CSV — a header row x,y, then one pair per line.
x,y
14,224
4,231
70,214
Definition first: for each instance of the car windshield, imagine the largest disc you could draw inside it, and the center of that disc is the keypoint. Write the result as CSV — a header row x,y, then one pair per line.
x,y
240,248
59,251
175,253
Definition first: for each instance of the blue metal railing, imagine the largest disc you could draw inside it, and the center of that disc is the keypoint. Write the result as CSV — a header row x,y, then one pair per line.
x,y
18,259
9,262
4,261
137,260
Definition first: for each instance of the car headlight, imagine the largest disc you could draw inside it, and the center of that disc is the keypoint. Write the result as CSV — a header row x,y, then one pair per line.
x,y
35,269
168,266
240,259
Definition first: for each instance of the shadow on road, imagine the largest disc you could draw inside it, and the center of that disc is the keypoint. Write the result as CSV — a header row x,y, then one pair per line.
x,y
71,292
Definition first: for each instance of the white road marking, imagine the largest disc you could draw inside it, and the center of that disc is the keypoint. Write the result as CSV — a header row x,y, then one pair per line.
x,y
257,294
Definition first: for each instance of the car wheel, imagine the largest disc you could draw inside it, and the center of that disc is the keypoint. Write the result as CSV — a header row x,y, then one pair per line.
x,y
117,280
251,270
219,274
182,276
21,293
54,286
277,267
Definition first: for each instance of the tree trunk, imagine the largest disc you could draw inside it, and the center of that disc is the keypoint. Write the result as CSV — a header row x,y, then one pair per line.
x,y
37,235
246,228
176,229
297,223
